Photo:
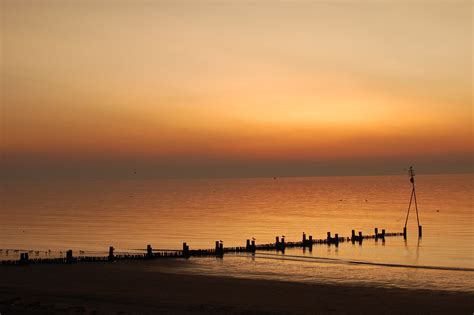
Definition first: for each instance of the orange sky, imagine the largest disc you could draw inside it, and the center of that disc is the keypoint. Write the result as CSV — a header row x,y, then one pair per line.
x,y
243,81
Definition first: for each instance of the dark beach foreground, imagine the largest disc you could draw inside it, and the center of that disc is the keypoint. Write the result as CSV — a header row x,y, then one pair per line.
x,y
140,287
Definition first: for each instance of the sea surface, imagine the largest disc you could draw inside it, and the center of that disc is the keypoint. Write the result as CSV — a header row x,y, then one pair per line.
x,y
49,217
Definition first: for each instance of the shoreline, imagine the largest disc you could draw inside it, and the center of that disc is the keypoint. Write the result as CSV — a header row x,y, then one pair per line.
x,y
134,287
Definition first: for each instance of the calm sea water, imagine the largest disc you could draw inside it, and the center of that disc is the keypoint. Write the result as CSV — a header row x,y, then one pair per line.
x,y
92,215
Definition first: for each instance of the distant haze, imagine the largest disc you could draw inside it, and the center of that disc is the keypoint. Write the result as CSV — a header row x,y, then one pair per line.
x,y
127,89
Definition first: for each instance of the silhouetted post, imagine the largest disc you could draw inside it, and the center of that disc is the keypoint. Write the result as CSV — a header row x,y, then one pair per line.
x,y
311,240
149,251
336,239
383,233
111,253
277,242
304,238
247,247
24,258
419,231
360,237
329,238
69,257
220,248
353,237
283,241
185,250
254,248
405,232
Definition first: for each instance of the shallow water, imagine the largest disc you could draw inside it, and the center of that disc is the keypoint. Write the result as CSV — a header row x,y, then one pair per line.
x,y
92,215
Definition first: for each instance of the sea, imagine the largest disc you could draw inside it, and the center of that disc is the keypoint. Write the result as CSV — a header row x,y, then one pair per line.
x,y
49,217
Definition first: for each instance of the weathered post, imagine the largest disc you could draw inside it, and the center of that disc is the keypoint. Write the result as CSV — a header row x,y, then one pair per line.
x,y
111,253
220,248
69,258
24,258
185,250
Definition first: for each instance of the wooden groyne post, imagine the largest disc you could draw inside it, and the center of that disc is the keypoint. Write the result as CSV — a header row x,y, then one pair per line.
x,y
219,248
250,246
379,235
332,240
307,242
149,251
111,253
356,238
280,245
69,258
185,250
24,258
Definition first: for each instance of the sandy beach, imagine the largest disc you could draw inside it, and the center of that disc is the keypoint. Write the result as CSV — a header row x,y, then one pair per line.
x,y
132,287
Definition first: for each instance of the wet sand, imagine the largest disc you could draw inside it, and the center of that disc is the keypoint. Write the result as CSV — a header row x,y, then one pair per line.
x,y
141,287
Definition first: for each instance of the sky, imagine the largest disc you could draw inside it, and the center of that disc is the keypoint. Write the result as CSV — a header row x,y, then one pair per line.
x,y
235,88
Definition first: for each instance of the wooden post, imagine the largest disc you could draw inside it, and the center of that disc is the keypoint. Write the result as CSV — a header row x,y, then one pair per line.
x,y
419,231
217,247
405,232
185,250
253,246
69,257
329,237
149,251
111,253
247,246
304,238
336,239
24,258
311,240
277,241
360,237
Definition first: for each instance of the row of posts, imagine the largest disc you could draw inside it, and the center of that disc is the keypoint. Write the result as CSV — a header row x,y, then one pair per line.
x,y
250,245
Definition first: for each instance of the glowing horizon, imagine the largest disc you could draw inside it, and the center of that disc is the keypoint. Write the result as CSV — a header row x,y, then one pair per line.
x,y
198,82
